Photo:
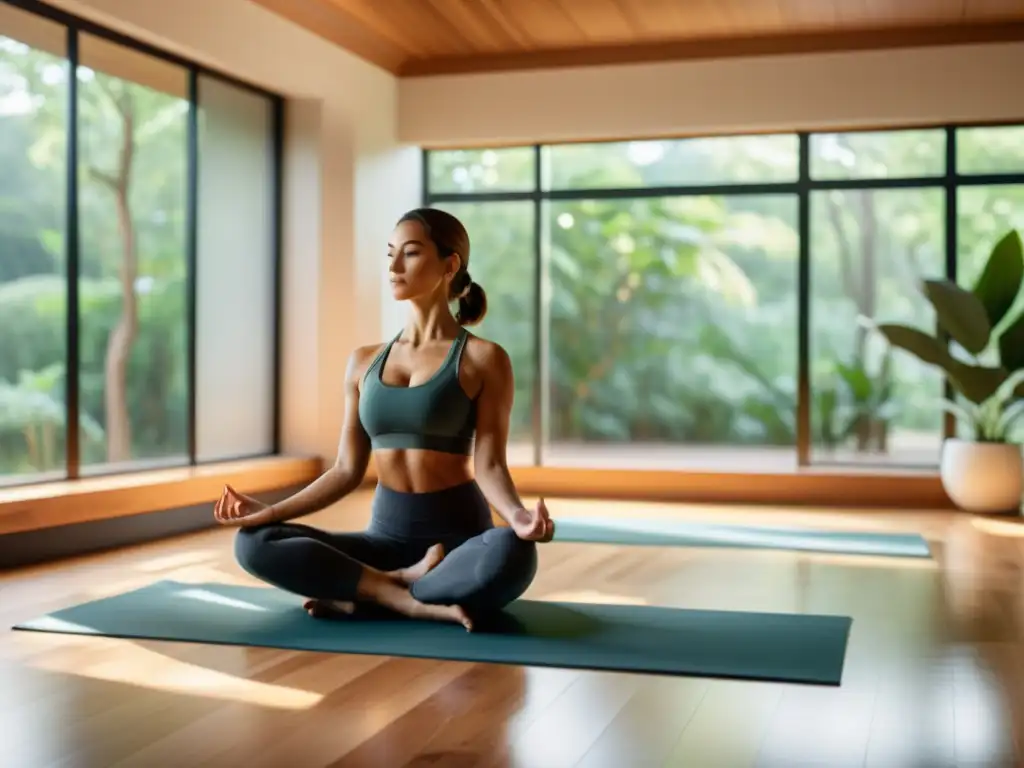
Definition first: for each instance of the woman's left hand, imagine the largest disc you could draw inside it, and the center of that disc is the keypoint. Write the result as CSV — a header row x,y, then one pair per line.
x,y
533,524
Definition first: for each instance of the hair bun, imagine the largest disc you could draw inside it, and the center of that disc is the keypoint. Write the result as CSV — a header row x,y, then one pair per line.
x,y
460,286
472,304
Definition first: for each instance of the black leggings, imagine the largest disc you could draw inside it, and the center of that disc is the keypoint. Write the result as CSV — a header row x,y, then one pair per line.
x,y
484,569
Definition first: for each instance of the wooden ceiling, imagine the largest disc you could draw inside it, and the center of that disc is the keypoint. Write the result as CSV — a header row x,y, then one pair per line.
x,y
427,37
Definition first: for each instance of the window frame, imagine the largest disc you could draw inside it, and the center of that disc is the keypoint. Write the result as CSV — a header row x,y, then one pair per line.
x,y
75,27
950,181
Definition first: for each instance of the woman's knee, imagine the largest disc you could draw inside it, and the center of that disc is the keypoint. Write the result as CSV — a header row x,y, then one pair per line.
x,y
512,562
516,555
252,549
485,573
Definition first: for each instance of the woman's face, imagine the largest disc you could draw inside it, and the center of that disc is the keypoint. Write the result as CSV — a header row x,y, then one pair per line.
x,y
414,268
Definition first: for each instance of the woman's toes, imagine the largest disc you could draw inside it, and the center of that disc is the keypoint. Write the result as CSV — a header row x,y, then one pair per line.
x,y
327,609
463,618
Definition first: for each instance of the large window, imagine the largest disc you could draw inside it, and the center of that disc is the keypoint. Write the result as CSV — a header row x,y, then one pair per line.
x,y
501,259
138,255
705,303
235,275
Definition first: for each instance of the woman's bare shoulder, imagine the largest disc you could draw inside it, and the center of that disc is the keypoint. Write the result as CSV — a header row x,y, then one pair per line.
x,y
487,355
360,359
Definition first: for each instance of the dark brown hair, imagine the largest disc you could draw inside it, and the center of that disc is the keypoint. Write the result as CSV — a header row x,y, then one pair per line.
x,y
449,236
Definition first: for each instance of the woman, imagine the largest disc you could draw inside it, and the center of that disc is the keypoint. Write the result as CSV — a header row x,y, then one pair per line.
x,y
431,549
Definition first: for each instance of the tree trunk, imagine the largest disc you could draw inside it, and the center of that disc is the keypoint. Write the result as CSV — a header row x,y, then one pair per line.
x,y
869,297
119,344
859,281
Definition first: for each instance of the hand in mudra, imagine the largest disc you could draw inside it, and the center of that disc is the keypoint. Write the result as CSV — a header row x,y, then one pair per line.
x,y
234,508
533,524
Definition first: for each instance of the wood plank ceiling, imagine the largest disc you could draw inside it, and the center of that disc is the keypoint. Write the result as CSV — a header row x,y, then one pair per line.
x,y
426,37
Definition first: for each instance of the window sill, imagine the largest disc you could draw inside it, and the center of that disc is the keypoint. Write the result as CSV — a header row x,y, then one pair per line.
x,y
64,502
858,487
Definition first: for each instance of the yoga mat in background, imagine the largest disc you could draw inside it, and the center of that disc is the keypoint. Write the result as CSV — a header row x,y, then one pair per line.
x,y
679,533
756,646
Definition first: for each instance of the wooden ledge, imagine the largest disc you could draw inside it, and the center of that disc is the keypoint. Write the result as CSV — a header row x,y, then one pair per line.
x,y
817,487
48,505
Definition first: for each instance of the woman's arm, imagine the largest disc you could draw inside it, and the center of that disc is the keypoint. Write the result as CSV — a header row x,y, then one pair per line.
x,y
353,455
494,412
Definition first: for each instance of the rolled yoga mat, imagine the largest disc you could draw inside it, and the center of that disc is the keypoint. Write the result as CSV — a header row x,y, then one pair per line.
x,y
627,638
679,533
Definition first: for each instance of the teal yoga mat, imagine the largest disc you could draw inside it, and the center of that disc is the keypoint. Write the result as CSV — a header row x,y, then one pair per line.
x,y
755,646
679,533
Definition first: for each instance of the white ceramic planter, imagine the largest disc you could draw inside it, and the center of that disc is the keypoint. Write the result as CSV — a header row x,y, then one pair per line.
x,y
983,477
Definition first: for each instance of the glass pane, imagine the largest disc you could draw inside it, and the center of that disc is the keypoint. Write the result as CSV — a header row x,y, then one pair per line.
x,y
990,150
984,216
682,162
33,283
133,114
503,261
480,170
870,249
235,313
673,332
878,154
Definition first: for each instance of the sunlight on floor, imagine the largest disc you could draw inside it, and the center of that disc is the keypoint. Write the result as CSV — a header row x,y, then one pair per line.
x,y
873,561
592,596
148,669
197,575
178,560
1011,527
207,596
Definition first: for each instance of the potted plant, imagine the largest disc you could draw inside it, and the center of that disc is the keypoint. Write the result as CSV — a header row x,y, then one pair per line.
x,y
984,363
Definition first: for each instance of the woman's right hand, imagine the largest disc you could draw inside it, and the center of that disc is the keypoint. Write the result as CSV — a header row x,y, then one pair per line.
x,y
234,508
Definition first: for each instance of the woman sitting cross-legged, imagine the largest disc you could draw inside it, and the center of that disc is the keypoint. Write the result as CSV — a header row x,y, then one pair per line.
x,y
431,549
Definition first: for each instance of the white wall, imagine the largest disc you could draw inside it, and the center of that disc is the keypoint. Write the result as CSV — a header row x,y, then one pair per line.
x,y
823,91
347,180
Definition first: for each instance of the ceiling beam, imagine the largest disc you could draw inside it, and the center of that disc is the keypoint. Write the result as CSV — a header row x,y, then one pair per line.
x,y
717,48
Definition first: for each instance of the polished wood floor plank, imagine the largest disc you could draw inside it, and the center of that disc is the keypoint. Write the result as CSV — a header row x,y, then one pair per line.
x,y
566,729
481,737
934,674
647,728
728,728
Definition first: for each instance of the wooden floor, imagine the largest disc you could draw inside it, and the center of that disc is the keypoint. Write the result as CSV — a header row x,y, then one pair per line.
x,y
933,675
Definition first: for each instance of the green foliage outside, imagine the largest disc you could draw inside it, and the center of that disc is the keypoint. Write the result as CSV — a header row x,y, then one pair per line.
x,y
674,320
668,320
131,267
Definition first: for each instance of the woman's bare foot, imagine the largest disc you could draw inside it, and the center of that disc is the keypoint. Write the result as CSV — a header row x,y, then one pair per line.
x,y
328,609
430,561
452,613
384,590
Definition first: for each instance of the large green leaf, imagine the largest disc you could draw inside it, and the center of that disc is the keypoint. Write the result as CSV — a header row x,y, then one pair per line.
x,y
960,313
999,282
927,348
975,382
1011,345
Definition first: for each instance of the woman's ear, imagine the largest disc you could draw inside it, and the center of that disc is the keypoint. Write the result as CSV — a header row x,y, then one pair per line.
x,y
456,265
